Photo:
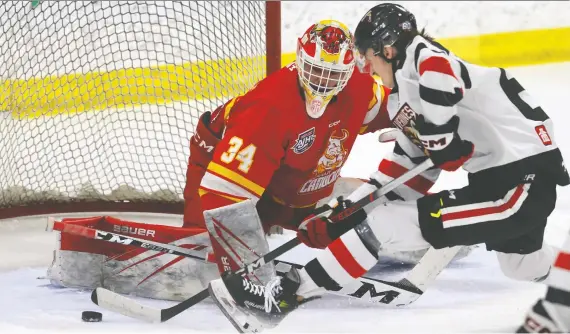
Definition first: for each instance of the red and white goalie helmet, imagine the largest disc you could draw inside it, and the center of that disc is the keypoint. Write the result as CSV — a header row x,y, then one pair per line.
x,y
325,62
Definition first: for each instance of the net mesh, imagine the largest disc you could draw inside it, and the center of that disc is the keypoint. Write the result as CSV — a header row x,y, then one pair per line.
x,y
98,100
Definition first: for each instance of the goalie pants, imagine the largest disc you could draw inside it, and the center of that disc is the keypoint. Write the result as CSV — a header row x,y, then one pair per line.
x,y
510,221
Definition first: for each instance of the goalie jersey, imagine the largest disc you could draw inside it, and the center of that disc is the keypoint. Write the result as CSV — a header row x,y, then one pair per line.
x,y
511,133
265,147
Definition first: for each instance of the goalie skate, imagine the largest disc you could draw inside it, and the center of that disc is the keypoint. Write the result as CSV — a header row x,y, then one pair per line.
x,y
252,307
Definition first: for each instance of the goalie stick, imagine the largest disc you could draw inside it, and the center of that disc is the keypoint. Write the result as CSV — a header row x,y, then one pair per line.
x,y
123,305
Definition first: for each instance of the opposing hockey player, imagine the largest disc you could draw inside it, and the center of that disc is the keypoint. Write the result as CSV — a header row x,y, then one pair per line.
x,y
551,314
458,115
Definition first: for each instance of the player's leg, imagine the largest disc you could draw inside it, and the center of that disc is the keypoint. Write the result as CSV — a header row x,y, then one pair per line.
x,y
534,266
464,216
393,227
238,237
346,186
250,302
511,223
450,218
527,257
551,314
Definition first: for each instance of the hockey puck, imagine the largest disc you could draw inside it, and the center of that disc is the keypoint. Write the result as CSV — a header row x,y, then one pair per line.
x,y
91,316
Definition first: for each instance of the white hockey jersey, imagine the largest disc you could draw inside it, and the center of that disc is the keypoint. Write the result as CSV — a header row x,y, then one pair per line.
x,y
496,114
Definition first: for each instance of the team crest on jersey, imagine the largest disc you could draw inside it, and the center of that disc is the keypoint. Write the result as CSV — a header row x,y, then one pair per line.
x,y
328,166
304,141
405,121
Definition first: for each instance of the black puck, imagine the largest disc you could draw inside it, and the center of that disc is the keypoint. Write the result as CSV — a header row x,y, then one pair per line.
x,y
91,316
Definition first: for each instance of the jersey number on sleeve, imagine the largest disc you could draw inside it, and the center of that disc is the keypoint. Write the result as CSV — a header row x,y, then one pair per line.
x,y
244,156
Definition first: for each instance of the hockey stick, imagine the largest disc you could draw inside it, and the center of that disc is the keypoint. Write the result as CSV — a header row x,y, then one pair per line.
x,y
123,305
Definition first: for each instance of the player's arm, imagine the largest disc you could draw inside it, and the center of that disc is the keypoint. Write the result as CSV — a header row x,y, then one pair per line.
x,y
440,89
207,134
244,159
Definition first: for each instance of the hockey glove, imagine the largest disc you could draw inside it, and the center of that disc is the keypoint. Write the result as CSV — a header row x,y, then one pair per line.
x,y
442,143
319,231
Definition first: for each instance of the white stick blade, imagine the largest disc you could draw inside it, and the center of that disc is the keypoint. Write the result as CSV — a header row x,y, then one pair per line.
x,y
431,265
117,303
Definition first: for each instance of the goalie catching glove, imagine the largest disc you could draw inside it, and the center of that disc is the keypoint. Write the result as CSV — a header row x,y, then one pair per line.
x,y
318,231
443,144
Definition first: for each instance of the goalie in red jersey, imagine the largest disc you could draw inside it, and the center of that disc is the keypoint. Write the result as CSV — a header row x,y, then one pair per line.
x,y
262,159
267,157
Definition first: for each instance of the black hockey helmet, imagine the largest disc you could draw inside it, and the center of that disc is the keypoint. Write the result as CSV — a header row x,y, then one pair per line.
x,y
386,24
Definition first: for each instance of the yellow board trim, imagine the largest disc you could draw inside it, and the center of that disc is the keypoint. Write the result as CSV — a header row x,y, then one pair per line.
x,y
122,88
508,49
235,177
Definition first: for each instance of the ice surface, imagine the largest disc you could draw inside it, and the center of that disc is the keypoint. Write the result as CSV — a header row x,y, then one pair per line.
x,y
470,296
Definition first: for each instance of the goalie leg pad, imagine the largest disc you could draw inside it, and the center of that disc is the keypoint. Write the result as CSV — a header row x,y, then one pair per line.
x,y
238,238
86,263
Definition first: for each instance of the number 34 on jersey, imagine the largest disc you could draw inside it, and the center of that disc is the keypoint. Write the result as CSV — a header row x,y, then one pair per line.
x,y
235,152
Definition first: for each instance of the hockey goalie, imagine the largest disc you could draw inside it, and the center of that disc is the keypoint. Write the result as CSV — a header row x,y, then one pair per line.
x,y
268,158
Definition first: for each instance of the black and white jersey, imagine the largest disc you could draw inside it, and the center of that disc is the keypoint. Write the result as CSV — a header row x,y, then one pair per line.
x,y
496,114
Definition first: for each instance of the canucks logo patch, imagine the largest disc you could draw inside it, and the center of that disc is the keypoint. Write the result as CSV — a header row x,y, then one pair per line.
x,y
304,141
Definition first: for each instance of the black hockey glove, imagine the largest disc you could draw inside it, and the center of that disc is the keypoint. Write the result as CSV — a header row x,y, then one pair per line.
x,y
442,143
319,231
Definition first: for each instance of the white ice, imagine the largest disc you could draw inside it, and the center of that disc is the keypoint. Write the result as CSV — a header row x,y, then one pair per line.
x,y
470,296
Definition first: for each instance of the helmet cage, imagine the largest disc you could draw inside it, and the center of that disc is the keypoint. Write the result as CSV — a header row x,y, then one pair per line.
x,y
325,63
322,78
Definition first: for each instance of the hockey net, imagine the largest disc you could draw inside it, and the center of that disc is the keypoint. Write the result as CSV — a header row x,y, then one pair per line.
x,y
99,99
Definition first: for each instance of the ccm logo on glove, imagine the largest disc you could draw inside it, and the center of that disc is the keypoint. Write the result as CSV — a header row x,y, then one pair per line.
x,y
436,142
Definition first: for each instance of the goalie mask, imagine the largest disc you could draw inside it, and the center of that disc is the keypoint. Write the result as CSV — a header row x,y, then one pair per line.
x,y
325,62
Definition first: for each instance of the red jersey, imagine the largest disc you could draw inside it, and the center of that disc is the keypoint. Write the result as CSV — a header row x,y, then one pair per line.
x,y
270,149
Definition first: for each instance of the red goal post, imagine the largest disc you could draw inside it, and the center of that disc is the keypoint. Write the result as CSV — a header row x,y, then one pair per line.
x,y
98,100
